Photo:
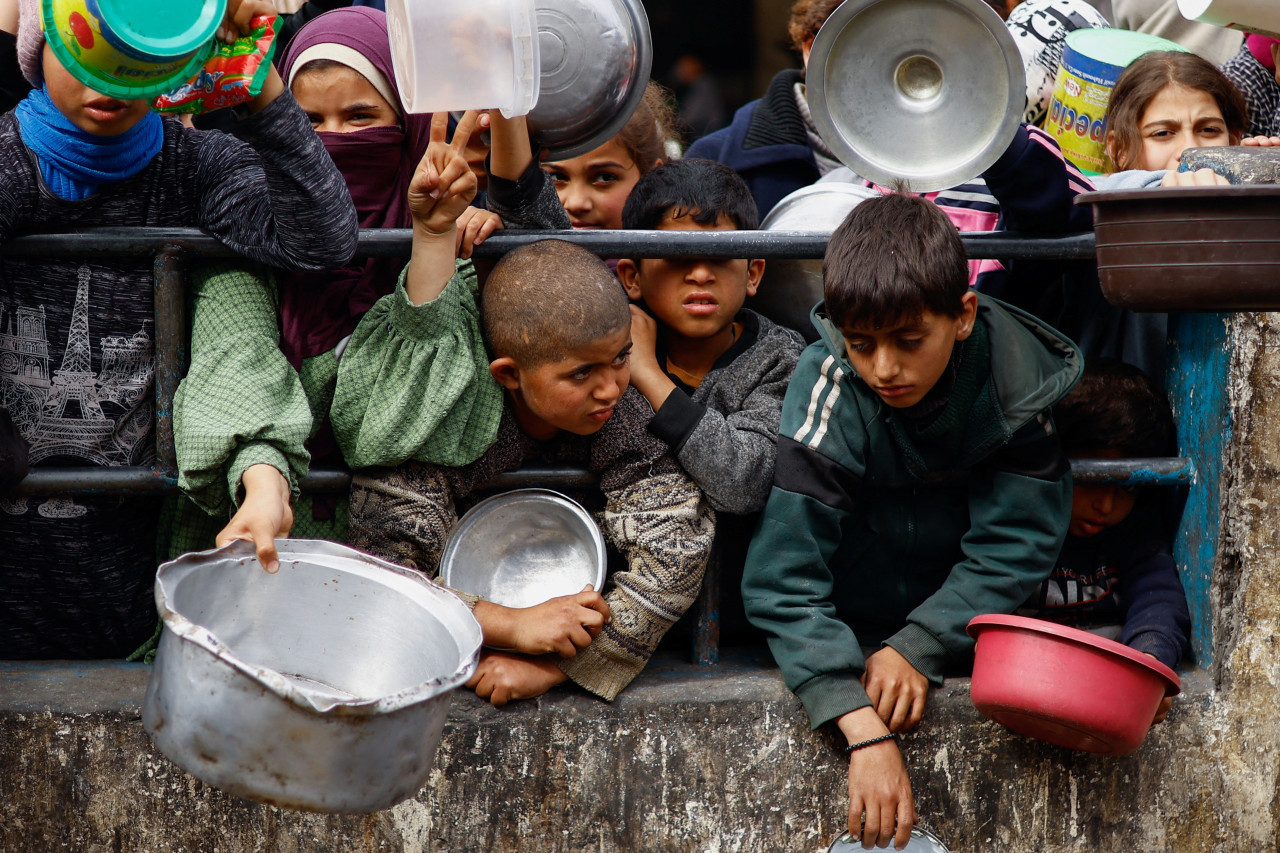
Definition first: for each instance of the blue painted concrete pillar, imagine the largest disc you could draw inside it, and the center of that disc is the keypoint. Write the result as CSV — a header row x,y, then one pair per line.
x,y
1197,377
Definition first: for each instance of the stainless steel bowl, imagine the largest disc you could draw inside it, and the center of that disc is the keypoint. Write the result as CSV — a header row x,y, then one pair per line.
x,y
921,841
924,91
596,60
322,687
791,287
523,547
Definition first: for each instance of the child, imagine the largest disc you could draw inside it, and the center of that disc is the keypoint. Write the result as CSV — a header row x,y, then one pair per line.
x,y
1115,575
919,483
245,453
76,574
594,186
1165,102
714,372
558,333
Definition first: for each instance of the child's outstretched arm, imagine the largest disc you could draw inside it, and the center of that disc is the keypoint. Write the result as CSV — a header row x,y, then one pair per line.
x,y
519,191
442,188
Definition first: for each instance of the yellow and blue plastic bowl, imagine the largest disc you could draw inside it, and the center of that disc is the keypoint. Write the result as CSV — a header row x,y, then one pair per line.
x,y
132,49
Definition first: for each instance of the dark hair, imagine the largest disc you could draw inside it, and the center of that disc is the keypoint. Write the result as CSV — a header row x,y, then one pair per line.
x,y
547,299
703,190
1115,406
893,258
644,136
807,17
1146,77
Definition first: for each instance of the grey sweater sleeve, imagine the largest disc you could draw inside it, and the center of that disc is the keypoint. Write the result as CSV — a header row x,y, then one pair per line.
x,y
279,199
530,202
731,454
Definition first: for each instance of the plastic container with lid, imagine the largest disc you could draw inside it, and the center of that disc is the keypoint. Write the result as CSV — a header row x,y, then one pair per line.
x,y
132,49
465,54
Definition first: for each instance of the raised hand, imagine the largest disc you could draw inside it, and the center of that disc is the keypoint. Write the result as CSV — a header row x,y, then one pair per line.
x,y
443,184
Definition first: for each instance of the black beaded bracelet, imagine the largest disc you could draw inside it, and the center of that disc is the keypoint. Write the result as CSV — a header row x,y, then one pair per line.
x,y
853,747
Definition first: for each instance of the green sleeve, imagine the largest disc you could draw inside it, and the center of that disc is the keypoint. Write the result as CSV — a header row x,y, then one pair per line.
x,y
414,382
788,581
240,402
1019,510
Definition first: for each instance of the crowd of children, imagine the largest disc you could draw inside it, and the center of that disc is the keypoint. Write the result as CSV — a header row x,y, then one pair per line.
x,y
868,495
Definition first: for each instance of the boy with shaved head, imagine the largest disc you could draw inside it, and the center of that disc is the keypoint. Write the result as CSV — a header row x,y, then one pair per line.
x,y
558,333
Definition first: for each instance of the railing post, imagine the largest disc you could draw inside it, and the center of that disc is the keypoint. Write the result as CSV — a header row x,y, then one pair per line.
x,y
1197,378
171,348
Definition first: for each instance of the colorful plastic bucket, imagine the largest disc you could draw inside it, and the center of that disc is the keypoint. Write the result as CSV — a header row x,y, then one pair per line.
x,y
1091,63
132,49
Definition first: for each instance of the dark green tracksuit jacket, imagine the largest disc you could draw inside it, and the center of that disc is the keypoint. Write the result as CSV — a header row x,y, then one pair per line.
x,y
873,536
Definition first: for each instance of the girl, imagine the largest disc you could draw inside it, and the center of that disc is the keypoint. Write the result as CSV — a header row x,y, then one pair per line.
x,y
339,67
76,573
1165,102
594,186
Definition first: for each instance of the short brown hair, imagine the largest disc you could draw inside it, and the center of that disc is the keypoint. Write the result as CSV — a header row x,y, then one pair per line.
x,y
807,17
892,259
547,299
1146,77
645,134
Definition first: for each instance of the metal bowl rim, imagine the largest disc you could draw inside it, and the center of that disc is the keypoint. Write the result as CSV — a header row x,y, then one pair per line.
x,y
828,39
171,573
794,198
639,79
564,501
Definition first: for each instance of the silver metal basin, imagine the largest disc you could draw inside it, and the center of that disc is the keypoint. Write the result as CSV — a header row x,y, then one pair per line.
x,y
322,687
596,57
524,547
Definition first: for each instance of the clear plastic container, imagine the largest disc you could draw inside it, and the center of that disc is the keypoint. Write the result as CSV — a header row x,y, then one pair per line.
x,y
465,54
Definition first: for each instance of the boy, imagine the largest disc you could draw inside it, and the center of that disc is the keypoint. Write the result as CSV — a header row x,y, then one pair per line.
x,y
919,483
77,572
1116,575
558,335
714,372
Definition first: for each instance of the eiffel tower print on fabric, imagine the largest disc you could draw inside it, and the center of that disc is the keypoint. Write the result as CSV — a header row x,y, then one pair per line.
x,y
71,421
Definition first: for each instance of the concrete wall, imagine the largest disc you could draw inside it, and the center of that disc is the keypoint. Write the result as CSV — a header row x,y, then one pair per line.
x,y
721,760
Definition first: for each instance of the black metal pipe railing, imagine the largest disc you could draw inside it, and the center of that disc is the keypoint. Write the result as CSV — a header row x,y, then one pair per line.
x,y
394,243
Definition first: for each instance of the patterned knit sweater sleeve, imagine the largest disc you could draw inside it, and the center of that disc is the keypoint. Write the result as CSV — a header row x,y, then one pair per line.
x,y
414,382
658,519
241,403
279,199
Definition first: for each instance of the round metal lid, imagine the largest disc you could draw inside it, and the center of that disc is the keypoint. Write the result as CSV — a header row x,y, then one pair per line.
x,y
924,91
596,58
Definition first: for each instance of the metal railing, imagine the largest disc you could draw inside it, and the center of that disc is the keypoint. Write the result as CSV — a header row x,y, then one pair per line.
x,y
172,249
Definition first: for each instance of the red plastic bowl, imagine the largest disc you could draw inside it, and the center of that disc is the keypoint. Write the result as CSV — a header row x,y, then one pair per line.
x,y
1066,686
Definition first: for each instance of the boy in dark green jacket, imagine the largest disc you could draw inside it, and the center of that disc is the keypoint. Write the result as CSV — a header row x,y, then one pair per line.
x,y
919,483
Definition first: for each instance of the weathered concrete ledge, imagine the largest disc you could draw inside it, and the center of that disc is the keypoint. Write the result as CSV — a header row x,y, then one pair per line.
x,y
688,759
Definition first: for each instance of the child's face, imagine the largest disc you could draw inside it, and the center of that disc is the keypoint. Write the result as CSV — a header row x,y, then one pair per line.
x,y
340,100
1096,507
903,361
1178,118
594,187
576,393
89,110
695,298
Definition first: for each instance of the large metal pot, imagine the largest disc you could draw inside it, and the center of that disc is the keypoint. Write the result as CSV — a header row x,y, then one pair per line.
x,y
322,687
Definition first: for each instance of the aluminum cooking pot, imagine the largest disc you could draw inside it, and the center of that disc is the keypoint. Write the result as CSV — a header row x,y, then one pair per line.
x,y
596,56
322,687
